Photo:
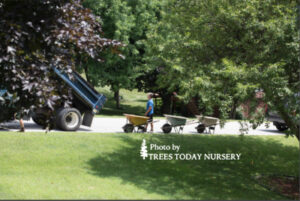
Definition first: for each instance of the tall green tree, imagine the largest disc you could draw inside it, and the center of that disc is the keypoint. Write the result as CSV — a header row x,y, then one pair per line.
x,y
128,22
223,51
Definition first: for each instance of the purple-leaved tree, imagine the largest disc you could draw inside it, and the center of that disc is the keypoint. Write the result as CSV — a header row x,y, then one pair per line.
x,y
36,35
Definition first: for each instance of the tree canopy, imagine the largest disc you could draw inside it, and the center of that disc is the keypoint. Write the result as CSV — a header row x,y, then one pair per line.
x,y
37,35
224,51
127,22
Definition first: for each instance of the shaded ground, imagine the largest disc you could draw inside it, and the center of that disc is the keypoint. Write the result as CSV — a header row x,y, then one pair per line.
x,y
109,166
201,179
284,185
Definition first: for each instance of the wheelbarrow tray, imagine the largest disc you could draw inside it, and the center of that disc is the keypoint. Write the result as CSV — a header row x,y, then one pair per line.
x,y
136,120
176,120
207,121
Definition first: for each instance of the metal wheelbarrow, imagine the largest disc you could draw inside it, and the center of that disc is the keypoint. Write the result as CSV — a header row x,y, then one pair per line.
x,y
176,122
206,124
135,123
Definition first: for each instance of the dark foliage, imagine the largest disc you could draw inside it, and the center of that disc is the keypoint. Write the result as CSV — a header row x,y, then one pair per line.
x,y
37,35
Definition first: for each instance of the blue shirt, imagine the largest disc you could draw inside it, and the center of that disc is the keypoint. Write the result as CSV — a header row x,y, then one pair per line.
x,y
150,104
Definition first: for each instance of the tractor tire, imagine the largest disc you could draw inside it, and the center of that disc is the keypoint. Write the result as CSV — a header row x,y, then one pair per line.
x,y
68,119
39,119
167,128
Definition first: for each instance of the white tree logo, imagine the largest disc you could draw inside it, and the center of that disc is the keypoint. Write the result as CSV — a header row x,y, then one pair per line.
x,y
144,152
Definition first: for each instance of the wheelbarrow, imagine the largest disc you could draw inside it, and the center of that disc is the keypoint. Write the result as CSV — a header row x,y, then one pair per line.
x,y
206,124
135,123
176,122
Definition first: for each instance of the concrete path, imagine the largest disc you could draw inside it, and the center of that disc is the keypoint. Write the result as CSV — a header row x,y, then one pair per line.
x,y
114,125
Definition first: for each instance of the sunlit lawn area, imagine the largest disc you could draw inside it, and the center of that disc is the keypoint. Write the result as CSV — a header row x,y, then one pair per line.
x,y
108,166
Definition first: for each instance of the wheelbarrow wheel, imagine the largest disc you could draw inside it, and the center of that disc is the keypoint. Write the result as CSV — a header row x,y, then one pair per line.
x,y
166,128
142,129
200,128
128,128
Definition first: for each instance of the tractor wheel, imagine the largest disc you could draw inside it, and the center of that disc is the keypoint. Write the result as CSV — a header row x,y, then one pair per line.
x,y
166,128
128,128
39,119
68,119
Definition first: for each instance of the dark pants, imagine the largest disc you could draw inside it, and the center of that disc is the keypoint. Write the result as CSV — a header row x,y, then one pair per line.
x,y
150,120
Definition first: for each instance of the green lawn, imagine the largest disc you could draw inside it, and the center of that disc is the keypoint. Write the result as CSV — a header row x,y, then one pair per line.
x,y
132,102
108,166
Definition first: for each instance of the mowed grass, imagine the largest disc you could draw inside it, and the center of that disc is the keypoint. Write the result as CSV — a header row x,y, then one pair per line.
x,y
109,166
132,102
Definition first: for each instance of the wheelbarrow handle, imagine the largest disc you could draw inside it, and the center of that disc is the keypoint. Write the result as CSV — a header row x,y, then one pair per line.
x,y
191,122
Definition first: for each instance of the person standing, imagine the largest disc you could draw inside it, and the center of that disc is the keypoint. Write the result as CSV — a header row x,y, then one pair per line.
x,y
19,116
22,127
150,111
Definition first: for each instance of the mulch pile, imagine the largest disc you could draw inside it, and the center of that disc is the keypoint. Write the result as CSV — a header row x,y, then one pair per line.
x,y
287,186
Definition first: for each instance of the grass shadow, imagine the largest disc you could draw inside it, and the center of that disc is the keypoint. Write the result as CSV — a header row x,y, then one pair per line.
x,y
200,179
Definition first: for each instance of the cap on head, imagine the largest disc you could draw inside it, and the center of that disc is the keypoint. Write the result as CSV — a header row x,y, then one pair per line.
x,y
150,95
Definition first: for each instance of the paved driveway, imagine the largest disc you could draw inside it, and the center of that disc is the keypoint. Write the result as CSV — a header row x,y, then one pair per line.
x,y
114,125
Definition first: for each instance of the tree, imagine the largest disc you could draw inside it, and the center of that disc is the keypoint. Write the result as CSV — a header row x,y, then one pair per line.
x,y
147,81
37,35
128,22
223,51
144,152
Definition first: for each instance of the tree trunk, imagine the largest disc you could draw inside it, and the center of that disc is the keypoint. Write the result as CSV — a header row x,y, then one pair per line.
x,y
172,104
117,98
155,102
233,110
216,111
289,122
86,74
166,105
